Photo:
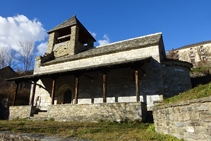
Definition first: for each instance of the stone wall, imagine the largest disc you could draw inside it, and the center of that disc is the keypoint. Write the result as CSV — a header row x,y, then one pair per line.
x,y
94,61
92,112
61,49
190,120
120,82
120,87
52,41
21,111
176,77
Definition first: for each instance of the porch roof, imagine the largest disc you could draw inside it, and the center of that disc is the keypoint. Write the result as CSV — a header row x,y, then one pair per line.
x,y
102,67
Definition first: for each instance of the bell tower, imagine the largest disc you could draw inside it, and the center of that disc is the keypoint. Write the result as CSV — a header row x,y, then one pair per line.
x,y
69,38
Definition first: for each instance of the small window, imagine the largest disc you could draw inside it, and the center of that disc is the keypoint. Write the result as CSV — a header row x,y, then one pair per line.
x,y
192,54
202,51
203,58
193,61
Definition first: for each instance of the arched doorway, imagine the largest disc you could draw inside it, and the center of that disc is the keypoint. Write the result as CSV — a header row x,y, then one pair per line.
x,y
67,96
64,95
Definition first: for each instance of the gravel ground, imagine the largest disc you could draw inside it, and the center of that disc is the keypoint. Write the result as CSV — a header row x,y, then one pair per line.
x,y
12,136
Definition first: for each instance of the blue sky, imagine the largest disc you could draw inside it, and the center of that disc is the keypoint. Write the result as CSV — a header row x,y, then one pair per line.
x,y
182,22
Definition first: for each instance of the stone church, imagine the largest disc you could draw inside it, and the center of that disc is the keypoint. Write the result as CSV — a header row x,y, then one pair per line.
x,y
76,81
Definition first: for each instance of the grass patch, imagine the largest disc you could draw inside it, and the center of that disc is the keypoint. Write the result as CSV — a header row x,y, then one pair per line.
x,y
88,130
200,69
197,92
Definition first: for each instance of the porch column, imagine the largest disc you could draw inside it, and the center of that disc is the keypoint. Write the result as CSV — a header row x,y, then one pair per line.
x,y
16,92
137,86
104,88
33,92
76,89
53,91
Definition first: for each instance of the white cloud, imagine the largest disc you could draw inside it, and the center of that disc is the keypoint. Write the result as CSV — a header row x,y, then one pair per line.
x,y
105,41
42,48
93,34
19,28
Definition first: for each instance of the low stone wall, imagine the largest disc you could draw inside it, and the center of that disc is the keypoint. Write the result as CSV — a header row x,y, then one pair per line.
x,y
21,111
190,120
93,112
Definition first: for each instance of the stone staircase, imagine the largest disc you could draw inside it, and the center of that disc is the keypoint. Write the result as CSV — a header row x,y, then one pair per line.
x,y
40,116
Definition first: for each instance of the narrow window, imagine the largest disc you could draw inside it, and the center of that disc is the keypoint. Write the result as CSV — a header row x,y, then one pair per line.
x,y
193,61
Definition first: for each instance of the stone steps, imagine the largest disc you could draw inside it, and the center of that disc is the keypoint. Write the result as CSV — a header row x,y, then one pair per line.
x,y
38,118
41,116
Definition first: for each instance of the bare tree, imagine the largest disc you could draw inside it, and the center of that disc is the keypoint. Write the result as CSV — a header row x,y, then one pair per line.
x,y
172,54
6,57
26,55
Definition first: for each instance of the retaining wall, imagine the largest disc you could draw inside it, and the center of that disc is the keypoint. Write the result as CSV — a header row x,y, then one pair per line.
x,y
190,120
93,112
21,111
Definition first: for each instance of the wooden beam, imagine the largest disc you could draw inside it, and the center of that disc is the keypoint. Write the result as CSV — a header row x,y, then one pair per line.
x,y
33,93
15,94
137,86
53,91
76,89
104,88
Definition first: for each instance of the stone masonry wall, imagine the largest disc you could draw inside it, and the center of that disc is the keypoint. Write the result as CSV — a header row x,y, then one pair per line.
x,y
176,79
190,120
98,60
151,84
93,112
62,49
20,111
153,78
120,87
52,41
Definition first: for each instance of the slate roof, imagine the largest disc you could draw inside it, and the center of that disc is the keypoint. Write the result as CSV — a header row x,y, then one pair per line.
x,y
143,41
71,22
193,45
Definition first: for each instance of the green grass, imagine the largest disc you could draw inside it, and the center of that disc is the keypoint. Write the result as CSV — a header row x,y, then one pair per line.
x,y
132,131
197,92
200,69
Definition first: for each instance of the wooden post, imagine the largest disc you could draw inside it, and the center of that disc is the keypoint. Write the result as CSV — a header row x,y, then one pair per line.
x,y
76,90
16,92
104,87
137,86
53,91
33,93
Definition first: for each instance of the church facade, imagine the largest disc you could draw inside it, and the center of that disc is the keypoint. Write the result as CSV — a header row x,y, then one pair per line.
x,y
74,72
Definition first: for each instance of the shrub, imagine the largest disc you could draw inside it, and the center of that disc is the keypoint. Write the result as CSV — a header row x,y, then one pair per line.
x,y
151,128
